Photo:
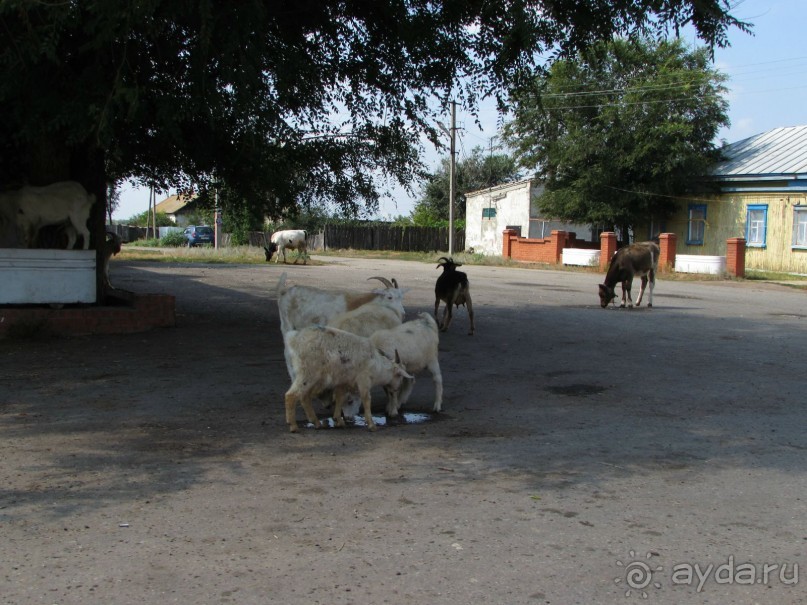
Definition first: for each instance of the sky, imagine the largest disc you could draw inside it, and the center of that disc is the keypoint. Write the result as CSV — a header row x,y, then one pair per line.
x,y
767,84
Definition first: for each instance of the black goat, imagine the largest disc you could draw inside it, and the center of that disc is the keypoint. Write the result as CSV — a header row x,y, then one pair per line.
x,y
452,287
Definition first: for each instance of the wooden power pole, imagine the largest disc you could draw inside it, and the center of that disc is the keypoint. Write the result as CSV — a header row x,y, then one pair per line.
x,y
452,177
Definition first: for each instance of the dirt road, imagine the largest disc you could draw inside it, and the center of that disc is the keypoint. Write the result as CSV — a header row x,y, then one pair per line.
x,y
583,456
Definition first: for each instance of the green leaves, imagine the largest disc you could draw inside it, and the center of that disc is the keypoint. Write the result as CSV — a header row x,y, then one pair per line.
x,y
620,131
289,102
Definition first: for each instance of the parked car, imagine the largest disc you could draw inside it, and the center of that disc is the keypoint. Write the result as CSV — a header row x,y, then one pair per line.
x,y
195,235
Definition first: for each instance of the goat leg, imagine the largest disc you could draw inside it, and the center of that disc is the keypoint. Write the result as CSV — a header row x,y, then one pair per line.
x,y
366,405
291,404
305,401
469,305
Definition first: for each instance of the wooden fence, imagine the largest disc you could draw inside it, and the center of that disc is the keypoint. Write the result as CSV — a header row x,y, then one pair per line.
x,y
403,239
336,237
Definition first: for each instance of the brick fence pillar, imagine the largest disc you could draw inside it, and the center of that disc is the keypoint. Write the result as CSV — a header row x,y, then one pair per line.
x,y
507,251
607,248
735,256
667,243
557,241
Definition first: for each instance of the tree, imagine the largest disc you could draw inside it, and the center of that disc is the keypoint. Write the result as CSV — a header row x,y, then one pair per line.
x,y
287,102
620,131
478,171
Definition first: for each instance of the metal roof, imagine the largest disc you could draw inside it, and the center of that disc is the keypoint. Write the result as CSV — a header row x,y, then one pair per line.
x,y
777,152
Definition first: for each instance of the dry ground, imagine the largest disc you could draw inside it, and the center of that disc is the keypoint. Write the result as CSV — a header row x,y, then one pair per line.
x,y
579,448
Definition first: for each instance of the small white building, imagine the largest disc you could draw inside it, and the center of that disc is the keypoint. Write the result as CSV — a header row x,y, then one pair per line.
x,y
488,212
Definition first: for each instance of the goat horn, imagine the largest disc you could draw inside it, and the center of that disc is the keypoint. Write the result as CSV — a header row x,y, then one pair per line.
x,y
383,280
395,282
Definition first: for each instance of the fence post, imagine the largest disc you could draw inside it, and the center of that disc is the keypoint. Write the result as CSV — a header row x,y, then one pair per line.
x,y
558,243
607,248
735,256
506,243
668,245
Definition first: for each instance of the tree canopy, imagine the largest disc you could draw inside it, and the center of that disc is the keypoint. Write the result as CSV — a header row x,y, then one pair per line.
x,y
287,102
620,131
481,169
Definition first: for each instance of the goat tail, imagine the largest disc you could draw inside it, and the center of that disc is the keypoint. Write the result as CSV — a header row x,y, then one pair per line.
x,y
281,285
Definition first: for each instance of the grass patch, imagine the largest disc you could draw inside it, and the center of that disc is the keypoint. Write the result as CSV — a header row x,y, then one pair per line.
x,y
242,255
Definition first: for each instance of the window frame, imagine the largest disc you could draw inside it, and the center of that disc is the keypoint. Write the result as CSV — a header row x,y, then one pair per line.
x,y
799,218
764,240
690,240
489,213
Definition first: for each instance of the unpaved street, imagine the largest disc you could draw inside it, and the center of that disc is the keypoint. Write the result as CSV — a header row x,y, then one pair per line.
x,y
583,456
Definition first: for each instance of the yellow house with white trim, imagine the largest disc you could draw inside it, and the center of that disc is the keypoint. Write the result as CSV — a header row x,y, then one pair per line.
x,y
763,198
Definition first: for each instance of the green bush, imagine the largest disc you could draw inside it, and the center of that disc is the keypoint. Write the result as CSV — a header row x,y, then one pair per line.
x,y
175,238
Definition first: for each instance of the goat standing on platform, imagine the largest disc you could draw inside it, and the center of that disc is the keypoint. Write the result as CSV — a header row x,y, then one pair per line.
x,y
640,259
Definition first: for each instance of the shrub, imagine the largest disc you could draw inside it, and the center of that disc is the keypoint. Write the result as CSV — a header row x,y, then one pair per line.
x,y
175,238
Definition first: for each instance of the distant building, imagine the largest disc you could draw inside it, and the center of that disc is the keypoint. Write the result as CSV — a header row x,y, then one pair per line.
x,y
488,212
178,208
763,198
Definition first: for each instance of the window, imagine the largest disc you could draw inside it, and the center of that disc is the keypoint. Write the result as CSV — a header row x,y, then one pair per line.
x,y
755,224
697,224
800,227
488,212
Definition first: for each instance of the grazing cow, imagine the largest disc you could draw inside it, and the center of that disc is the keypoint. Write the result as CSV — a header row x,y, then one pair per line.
x,y
37,207
293,239
640,259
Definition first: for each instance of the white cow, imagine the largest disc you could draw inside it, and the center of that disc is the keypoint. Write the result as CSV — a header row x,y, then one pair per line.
x,y
294,239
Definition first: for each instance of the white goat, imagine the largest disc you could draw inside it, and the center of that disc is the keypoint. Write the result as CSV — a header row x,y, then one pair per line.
x,y
303,306
416,343
325,359
36,207
367,319
293,239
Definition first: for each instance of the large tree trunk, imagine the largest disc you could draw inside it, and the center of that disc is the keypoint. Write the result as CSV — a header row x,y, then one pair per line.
x,y
89,168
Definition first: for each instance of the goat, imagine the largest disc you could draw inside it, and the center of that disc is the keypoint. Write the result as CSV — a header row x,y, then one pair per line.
x,y
367,319
325,359
302,306
36,207
452,287
416,343
112,246
293,239
639,259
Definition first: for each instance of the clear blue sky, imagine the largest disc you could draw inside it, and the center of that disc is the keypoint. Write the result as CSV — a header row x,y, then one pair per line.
x,y
767,83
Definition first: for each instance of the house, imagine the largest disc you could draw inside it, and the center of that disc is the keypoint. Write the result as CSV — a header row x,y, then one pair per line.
x,y
488,212
762,197
182,210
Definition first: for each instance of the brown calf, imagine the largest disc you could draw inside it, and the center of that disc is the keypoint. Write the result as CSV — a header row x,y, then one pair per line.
x,y
640,259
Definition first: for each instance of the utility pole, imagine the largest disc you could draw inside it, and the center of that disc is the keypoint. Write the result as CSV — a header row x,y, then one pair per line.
x,y
154,214
452,133
452,179
148,213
